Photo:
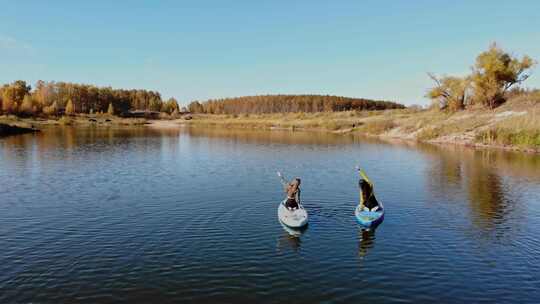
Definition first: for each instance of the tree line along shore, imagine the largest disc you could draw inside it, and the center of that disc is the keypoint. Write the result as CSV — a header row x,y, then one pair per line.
x,y
488,107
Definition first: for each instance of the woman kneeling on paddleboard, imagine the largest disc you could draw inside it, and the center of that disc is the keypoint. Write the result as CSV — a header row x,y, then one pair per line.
x,y
292,189
368,201
293,194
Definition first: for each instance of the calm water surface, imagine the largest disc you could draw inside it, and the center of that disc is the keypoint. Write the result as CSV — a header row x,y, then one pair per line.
x,y
142,215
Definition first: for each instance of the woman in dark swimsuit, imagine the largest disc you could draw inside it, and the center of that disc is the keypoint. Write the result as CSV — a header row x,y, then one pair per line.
x,y
293,194
292,189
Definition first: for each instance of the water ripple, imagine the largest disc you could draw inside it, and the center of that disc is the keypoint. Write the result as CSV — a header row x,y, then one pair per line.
x,y
139,215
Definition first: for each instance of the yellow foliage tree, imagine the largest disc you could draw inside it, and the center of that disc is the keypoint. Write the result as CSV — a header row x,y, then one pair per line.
x,y
51,110
27,106
70,109
110,110
495,72
449,92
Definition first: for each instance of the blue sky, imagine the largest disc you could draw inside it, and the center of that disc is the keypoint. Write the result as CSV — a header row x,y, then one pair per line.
x,y
210,49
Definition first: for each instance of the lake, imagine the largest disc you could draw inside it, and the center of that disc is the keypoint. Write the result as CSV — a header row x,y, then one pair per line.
x,y
124,215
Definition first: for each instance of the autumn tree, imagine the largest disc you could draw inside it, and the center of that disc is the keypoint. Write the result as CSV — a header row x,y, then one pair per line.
x,y
20,89
110,110
170,106
27,105
449,92
70,108
7,101
86,98
495,72
13,95
195,107
51,110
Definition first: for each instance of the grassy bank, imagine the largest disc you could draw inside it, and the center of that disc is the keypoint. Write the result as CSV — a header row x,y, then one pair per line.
x,y
515,125
75,120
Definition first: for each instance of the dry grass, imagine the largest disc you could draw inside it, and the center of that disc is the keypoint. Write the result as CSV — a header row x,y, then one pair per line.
x,y
75,120
321,121
376,127
521,131
450,125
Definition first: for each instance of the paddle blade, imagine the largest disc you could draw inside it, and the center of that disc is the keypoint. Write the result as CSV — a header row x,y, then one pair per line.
x,y
365,177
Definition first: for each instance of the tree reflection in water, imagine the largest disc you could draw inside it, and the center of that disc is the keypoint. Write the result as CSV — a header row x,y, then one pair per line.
x,y
476,178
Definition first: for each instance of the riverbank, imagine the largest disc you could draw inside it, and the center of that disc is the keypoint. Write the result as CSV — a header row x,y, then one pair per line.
x,y
513,126
79,120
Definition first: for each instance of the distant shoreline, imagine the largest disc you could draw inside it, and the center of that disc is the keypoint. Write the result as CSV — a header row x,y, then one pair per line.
x,y
475,128
513,126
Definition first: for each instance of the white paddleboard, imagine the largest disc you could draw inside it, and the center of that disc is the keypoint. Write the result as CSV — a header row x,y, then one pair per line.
x,y
295,218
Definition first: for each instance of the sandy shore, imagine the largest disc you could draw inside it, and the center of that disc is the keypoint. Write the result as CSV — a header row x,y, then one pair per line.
x,y
174,123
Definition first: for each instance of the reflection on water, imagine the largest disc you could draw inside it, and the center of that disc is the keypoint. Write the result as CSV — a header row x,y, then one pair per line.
x,y
188,215
276,137
480,174
453,169
290,238
366,240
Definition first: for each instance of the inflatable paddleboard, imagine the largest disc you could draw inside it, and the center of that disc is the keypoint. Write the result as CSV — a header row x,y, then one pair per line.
x,y
295,218
369,218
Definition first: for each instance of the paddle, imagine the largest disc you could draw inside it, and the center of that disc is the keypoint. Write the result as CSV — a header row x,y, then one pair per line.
x,y
283,180
364,176
286,184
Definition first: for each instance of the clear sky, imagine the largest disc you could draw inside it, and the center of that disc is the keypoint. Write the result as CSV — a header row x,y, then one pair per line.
x,y
208,49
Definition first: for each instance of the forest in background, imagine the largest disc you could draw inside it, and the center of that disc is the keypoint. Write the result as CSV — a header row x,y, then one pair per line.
x,y
60,98
267,104
57,98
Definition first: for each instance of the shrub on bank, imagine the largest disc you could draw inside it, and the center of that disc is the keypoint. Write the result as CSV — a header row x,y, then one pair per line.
x,y
522,130
502,136
378,126
64,120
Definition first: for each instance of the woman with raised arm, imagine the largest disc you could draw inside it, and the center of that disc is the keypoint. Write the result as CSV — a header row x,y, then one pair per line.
x,y
292,189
